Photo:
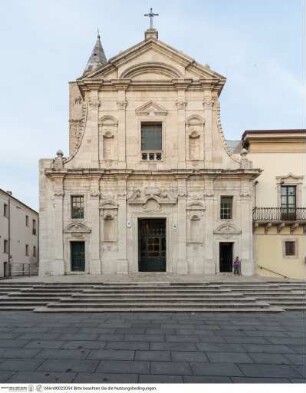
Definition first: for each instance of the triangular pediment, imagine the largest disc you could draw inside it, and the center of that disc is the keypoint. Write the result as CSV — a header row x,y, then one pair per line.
x,y
150,108
153,57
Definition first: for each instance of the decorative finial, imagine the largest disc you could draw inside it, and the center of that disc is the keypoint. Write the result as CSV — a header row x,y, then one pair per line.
x,y
98,33
60,153
151,16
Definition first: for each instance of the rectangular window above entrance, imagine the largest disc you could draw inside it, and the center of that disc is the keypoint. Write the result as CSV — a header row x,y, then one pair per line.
x,y
226,208
151,141
77,206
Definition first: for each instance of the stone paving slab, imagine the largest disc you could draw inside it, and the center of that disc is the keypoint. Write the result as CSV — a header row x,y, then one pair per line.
x,y
269,370
152,348
105,378
41,377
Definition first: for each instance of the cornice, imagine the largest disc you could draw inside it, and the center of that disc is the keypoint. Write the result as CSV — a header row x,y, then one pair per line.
x,y
208,173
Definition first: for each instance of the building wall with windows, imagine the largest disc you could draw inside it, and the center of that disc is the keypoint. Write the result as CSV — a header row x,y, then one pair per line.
x,y
150,183
18,237
280,201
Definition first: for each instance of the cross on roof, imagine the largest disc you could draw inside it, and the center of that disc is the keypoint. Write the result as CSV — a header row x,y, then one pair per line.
x,y
151,16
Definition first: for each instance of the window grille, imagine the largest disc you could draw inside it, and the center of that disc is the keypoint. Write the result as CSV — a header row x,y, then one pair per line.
x,y
77,206
226,207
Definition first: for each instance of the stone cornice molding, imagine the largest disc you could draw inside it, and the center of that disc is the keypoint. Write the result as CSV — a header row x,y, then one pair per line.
x,y
124,174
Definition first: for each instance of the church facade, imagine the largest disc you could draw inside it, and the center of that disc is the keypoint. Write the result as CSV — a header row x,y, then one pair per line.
x,y
150,184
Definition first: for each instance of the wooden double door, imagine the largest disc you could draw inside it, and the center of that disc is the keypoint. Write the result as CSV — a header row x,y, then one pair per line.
x,y
152,245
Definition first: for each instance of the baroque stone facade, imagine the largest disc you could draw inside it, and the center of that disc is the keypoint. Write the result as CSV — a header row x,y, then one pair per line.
x,y
157,187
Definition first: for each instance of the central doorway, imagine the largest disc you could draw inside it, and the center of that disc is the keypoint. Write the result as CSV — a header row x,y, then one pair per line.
x,y
152,245
226,257
77,256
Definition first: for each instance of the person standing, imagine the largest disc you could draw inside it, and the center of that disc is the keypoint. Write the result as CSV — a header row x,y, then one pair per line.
x,y
237,266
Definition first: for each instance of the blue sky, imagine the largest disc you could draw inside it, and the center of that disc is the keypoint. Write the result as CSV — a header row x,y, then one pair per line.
x,y
256,44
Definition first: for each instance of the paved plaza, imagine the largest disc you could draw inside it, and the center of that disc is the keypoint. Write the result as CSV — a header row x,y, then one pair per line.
x,y
152,347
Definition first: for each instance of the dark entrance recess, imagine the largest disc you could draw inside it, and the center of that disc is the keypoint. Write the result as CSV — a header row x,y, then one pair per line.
x,y
152,245
226,257
6,269
77,256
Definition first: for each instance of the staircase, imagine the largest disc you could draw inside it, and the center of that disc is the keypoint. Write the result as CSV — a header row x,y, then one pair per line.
x,y
230,296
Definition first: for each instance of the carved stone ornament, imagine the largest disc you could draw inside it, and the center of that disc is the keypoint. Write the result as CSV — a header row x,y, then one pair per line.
x,y
208,103
227,229
94,103
162,197
108,205
77,227
121,105
95,194
151,108
196,205
59,193
78,100
181,104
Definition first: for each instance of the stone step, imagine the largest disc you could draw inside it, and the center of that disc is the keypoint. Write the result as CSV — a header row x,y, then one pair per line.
x,y
25,303
156,296
154,305
288,302
160,309
159,300
294,308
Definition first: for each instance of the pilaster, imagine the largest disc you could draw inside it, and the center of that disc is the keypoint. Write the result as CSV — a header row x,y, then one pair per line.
x,y
181,105
182,263
245,203
58,214
93,125
122,264
209,197
208,135
94,219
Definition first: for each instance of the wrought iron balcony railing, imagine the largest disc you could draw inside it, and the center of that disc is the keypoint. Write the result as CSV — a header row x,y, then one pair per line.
x,y
151,156
279,214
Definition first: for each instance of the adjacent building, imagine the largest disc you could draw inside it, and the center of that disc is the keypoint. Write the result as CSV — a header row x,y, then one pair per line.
x,y
279,213
150,184
18,237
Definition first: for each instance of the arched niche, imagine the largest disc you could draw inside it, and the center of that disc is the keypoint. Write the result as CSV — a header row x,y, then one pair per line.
x,y
195,229
109,227
108,126
194,138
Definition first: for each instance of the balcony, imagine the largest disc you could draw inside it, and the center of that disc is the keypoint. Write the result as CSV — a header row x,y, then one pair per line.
x,y
278,214
151,156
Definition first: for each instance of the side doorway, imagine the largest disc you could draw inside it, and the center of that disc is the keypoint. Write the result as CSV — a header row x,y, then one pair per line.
x,y
77,256
225,257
